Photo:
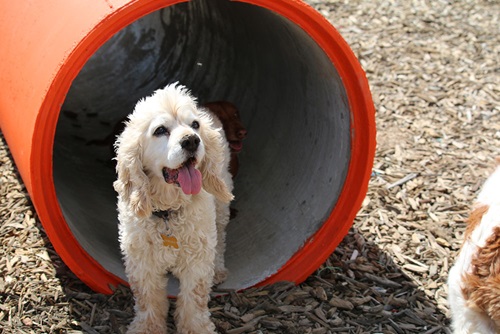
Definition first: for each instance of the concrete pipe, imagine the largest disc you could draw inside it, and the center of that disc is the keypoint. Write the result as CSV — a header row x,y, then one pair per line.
x,y
71,71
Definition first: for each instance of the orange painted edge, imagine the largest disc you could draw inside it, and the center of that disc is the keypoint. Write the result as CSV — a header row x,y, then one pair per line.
x,y
321,245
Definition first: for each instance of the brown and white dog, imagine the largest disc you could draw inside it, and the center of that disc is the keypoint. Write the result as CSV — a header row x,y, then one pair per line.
x,y
172,167
474,280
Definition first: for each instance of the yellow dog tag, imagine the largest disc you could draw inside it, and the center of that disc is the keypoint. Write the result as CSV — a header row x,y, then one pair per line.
x,y
169,241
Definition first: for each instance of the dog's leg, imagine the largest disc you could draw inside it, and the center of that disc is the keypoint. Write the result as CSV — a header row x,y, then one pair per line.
x,y
222,214
149,287
191,314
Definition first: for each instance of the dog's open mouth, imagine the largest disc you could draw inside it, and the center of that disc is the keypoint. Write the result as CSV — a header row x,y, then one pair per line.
x,y
186,176
236,145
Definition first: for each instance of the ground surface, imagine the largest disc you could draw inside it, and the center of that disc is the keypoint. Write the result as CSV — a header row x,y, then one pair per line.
x,y
433,67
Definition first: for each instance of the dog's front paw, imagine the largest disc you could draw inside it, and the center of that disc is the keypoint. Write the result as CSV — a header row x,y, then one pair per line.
x,y
220,275
146,326
207,328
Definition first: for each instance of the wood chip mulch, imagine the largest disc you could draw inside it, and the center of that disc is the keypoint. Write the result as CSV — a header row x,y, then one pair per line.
x,y
433,67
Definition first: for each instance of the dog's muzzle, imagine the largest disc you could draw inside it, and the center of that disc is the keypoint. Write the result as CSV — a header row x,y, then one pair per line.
x,y
186,176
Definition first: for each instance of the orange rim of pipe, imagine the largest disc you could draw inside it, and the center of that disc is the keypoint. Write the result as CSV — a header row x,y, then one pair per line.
x,y
317,248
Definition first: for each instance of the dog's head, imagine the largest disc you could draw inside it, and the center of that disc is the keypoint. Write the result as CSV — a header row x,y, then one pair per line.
x,y
168,145
229,117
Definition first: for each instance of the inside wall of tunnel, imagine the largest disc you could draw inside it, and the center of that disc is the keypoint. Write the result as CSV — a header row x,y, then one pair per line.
x,y
292,101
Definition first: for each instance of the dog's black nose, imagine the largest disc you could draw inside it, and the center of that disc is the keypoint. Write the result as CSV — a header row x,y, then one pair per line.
x,y
190,143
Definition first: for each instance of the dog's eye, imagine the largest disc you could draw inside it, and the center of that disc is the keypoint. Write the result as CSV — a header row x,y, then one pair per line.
x,y
195,125
160,131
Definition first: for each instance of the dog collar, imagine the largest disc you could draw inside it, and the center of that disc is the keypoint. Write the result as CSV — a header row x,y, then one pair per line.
x,y
163,214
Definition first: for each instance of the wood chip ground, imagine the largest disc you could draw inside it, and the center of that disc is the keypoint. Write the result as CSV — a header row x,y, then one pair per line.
x,y
433,67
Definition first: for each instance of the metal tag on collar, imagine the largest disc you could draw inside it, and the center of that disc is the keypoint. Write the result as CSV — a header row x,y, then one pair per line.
x,y
169,240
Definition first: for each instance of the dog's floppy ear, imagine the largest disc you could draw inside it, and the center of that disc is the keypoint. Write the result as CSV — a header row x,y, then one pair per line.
x,y
212,164
132,183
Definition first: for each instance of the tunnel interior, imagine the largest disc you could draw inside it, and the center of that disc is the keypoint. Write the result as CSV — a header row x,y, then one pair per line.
x,y
291,100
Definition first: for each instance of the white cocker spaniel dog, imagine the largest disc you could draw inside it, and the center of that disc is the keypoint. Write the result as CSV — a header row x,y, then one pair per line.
x,y
172,167
474,280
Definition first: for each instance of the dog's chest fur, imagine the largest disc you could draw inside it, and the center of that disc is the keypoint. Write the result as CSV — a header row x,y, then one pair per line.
x,y
172,237
177,235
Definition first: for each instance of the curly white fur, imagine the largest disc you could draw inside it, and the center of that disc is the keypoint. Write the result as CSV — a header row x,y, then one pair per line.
x,y
144,153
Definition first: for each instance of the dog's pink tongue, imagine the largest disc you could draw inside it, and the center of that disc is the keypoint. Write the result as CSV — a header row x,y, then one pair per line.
x,y
190,180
